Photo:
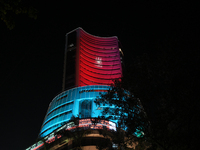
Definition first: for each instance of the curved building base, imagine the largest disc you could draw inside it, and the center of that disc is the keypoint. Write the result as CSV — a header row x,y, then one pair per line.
x,y
77,102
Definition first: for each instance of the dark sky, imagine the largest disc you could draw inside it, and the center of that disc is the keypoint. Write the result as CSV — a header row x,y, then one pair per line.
x,y
31,55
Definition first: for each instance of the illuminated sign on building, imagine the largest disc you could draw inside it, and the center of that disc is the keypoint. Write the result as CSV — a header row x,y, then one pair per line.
x,y
92,123
98,61
97,124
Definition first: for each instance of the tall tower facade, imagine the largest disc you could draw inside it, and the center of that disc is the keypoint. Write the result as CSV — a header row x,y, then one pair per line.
x,y
91,65
90,60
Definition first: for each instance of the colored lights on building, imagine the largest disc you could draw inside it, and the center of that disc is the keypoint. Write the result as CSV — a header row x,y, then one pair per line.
x,y
74,102
97,124
99,59
91,60
91,65
83,123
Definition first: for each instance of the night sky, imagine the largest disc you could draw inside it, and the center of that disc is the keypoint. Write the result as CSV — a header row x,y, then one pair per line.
x,y
32,54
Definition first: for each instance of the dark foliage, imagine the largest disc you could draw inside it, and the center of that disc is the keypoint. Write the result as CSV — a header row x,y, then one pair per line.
x,y
10,8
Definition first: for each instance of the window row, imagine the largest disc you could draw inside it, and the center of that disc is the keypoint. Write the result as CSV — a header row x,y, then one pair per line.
x,y
57,120
61,98
58,102
59,110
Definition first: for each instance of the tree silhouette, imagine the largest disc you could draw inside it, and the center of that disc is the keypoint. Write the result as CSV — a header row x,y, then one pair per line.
x,y
10,8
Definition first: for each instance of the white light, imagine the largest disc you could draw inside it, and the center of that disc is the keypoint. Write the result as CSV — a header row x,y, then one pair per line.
x,y
98,61
121,51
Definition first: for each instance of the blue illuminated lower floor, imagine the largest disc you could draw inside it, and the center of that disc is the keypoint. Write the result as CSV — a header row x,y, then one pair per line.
x,y
75,102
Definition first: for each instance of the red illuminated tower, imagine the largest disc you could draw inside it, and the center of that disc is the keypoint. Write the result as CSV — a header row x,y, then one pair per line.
x,y
90,60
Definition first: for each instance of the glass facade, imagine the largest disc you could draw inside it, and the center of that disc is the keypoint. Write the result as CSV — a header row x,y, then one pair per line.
x,y
76,101
90,60
91,64
99,59
85,109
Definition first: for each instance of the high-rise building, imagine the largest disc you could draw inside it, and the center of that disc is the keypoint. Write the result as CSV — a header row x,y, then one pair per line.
x,y
91,65
90,60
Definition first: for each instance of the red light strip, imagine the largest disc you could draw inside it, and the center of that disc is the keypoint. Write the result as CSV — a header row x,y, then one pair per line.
x,y
99,60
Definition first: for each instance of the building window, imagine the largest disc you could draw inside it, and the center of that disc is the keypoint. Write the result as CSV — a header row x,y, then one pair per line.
x,y
85,109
